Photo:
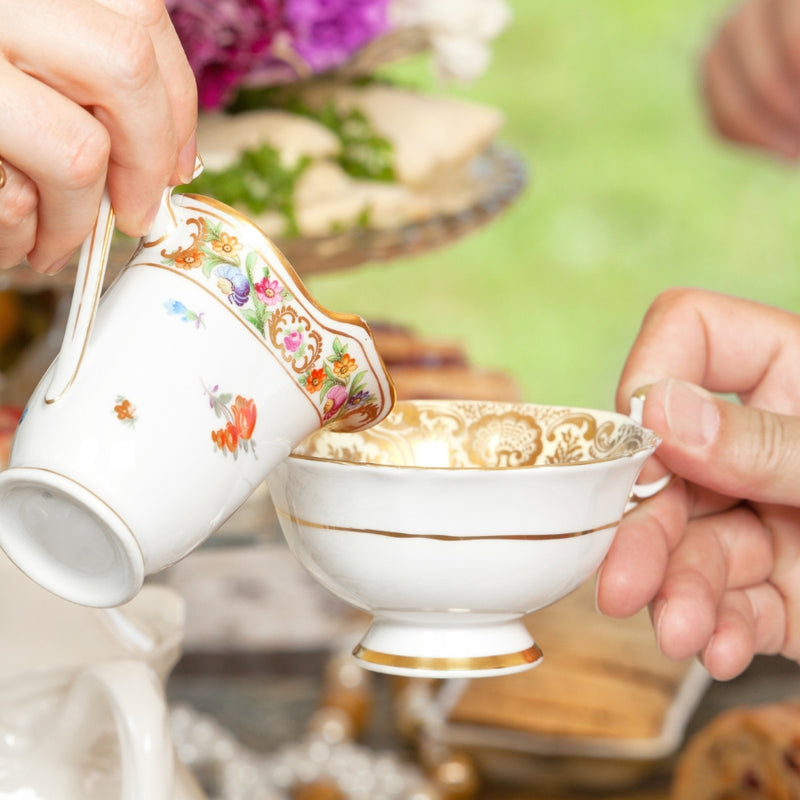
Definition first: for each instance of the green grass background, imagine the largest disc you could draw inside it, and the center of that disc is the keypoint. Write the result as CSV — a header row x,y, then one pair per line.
x,y
629,193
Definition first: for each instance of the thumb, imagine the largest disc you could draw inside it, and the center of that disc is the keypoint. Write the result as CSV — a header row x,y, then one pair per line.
x,y
732,449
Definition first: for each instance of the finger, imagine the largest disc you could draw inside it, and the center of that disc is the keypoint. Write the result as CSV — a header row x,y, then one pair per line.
x,y
732,645
63,150
636,563
782,521
755,46
733,550
731,109
686,333
786,26
749,621
732,449
177,75
18,204
106,62
717,555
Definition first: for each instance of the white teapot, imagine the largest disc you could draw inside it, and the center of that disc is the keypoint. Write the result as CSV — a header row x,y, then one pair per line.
x,y
83,714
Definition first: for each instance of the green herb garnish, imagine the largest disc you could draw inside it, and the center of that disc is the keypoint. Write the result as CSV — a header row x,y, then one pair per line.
x,y
259,182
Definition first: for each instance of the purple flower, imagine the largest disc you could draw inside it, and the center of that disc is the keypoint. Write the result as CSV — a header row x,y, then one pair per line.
x,y
325,33
235,43
358,398
233,284
225,40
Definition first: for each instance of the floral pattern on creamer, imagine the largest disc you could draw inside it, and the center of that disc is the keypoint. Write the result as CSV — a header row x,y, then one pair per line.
x,y
333,380
239,415
125,410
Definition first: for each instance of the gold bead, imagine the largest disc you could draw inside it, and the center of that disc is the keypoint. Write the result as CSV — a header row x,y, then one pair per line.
x,y
319,790
456,777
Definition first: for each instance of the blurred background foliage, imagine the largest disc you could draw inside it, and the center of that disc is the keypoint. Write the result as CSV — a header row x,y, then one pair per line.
x,y
629,193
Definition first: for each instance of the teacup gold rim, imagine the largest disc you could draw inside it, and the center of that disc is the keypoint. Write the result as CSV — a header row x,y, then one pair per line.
x,y
459,469
651,440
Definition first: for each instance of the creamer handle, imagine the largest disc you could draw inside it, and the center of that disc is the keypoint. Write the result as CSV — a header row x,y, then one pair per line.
x,y
86,295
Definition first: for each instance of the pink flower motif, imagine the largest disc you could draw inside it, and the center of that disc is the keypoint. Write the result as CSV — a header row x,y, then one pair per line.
x,y
334,400
269,292
292,341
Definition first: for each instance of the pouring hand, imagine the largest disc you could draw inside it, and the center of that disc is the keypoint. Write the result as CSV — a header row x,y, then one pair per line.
x,y
716,555
751,76
90,91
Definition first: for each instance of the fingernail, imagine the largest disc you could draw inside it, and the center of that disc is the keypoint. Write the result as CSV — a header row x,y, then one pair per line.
x,y
187,159
691,413
150,218
58,265
657,615
597,590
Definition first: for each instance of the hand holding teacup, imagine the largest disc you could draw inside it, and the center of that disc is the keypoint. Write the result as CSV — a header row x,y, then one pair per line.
x,y
716,554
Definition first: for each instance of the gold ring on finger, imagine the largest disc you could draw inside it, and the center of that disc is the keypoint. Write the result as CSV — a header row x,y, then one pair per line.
x,y
2,174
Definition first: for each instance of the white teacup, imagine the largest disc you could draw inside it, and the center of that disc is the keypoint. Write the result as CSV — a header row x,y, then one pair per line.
x,y
83,715
205,363
451,520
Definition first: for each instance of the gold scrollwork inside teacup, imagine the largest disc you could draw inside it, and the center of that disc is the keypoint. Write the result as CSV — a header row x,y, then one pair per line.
x,y
504,440
484,435
579,435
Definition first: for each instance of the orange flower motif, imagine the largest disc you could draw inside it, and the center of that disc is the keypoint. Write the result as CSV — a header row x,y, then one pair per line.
x,y
244,416
125,409
343,366
187,259
315,380
227,437
226,244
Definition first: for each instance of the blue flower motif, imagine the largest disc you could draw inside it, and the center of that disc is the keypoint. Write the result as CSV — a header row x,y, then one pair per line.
x,y
178,309
175,307
233,283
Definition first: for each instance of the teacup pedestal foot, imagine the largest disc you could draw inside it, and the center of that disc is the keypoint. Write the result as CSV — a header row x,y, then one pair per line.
x,y
438,650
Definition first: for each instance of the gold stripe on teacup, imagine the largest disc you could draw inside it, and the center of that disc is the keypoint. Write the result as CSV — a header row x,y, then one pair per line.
x,y
530,656
443,536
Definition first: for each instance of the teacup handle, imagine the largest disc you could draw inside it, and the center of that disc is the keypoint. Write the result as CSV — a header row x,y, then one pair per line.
x,y
132,691
85,296
641,491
